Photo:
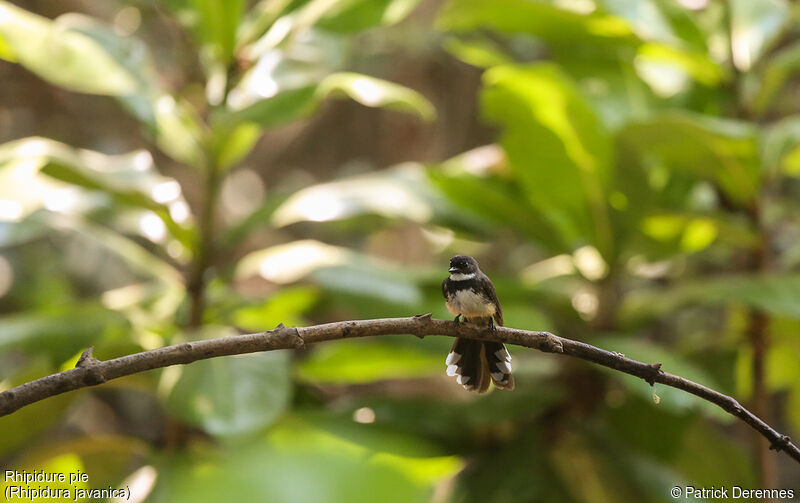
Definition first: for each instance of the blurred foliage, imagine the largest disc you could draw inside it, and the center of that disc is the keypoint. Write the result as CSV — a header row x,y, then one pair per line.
x,y
641,195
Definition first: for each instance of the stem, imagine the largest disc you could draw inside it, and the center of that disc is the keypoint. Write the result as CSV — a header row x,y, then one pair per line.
x,y
607,303
757,332
205,251
758,335
203,259
758,325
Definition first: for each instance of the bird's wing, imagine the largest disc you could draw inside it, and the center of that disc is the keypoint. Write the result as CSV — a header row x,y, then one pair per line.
x,y
488,291
444,287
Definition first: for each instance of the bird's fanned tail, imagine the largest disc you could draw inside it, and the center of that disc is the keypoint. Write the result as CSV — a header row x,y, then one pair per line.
x,y
476,363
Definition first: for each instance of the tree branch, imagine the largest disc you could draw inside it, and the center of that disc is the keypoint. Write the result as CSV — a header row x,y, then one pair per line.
x,y
90,372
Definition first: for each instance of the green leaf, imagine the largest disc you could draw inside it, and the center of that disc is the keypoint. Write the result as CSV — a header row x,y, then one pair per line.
x,y
280,87
23,231
234,145
611,82
372,92
290,262
671,398
666,427
707,457
285,306
724,151
341,17
5,51
690,232
233,396
32,420
368,361
383,437
297,39
697,65
518,471
59,332
140,259
755,25
400,193
772,294
557,148
93,59
459,426
294,104
217,21
520,313
657,20
338,17
260,217
481,52
368,279
284,107
350,16
295,26
288,82
543,20
129,53
175,126
673,450
492,199
83,64
779,147
298,465
172,122
793,407
685,25
781,366
128,179
212,23
418,461
259,18
771,77
334,268
165,288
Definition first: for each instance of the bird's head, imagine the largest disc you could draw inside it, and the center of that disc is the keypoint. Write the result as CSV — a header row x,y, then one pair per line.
x,y
463,265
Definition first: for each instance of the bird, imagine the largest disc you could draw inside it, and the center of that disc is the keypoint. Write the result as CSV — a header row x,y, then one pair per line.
x,y
469,294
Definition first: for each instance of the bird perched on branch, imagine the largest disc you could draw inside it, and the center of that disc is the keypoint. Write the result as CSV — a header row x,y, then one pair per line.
x,y
469,294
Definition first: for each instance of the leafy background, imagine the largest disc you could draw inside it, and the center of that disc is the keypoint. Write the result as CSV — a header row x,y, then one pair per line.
x,y
625,171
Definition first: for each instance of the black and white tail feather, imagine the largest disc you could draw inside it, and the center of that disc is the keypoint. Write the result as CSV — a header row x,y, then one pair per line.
x,y
476,363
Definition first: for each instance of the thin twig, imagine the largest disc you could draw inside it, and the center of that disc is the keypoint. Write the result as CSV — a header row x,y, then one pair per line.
x,y
93,371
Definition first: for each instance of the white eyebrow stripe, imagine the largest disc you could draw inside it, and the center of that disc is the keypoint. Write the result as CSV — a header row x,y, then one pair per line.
x,y
461,277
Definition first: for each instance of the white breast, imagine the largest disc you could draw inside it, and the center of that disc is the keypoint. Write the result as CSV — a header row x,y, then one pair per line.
x,y
457,276
470,304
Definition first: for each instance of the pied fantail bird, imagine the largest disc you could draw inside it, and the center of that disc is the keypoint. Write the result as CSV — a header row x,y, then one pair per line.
x,y
469,294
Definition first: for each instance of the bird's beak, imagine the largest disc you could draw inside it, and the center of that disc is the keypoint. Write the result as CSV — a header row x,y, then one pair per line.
x,y
453,269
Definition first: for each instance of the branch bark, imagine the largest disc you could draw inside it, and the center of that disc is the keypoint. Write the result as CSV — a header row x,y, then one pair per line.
x,y
90,372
